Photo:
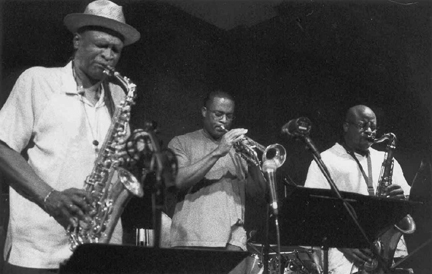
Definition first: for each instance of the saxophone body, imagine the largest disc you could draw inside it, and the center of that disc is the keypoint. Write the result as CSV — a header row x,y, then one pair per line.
x,y
110,185
387,242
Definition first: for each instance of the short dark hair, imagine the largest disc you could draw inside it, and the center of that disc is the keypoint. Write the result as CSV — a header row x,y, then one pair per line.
x,y
216,93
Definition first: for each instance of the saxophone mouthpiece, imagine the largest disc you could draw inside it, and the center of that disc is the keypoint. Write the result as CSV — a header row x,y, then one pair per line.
x,y
371,139
386,136
110,71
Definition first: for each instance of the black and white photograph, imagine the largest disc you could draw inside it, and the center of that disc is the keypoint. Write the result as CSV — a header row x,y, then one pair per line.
x,y
216,136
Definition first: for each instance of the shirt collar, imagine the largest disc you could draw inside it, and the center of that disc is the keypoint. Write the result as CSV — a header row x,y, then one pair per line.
x,y
69,83
351,151
70,86
208,136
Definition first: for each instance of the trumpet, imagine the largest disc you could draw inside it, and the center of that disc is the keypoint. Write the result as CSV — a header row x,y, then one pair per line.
x,y
247,148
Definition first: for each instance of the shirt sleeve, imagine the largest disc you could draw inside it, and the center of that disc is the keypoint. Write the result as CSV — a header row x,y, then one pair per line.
x,y
399,178
177,147
315,178
17,115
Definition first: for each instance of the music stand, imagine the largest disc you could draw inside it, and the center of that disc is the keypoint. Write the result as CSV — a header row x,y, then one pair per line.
x,y
316,217
114,259
419,244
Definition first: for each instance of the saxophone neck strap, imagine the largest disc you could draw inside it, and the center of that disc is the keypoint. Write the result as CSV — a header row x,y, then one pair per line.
x,y
368,178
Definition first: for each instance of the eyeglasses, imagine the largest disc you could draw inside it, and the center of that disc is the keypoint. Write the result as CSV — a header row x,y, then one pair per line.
x,y
220,114
363,126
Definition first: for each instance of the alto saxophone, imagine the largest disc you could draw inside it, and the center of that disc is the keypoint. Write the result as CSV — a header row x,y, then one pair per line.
x,y
386,243
110,185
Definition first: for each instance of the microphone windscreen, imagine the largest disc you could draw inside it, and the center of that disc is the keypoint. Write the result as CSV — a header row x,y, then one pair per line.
x,y
296,127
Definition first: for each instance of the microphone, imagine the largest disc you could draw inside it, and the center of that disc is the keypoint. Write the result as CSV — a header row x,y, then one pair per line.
x,y
301,127
297,127
269,167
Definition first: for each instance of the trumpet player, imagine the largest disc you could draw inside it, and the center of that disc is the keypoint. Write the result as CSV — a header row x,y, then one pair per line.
x,y
212,180
355,167
58,118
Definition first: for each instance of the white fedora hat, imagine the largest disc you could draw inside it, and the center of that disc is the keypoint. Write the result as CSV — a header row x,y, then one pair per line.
x,y
103,13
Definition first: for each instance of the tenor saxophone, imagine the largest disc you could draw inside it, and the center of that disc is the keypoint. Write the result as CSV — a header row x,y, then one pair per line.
x,y
110,185
386,243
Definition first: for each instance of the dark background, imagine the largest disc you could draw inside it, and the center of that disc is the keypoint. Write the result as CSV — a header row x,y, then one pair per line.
x,y
314,59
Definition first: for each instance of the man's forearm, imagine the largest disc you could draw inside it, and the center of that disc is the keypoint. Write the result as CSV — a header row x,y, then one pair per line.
x,y
21,176
188,176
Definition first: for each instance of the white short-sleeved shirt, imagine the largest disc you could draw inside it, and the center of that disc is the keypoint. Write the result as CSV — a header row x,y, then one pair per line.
x,y
46,116
348,177
213,209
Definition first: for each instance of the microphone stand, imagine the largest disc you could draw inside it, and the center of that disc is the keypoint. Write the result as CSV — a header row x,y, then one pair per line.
x,y
275,212
165,168
266,248
317,158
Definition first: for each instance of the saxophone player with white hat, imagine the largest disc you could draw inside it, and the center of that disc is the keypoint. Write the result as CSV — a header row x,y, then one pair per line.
x,y
58,117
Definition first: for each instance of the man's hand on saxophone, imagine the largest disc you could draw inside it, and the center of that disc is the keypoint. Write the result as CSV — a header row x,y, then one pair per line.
x,y
358,256
394,191
68,207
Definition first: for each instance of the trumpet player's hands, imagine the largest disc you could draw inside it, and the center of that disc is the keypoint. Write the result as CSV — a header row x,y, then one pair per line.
x,y
68,207
358,256
394,191
229,139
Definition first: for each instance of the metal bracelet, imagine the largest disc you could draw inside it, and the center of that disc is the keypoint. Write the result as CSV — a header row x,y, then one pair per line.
x,y
47,196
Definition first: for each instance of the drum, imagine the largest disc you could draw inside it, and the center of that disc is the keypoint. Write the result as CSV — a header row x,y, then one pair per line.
x,y
295,260
301,261
254,264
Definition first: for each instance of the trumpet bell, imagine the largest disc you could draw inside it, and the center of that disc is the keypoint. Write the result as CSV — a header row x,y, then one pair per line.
x,y
275,153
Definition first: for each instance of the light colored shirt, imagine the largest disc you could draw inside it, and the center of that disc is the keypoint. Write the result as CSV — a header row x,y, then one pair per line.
x,y
45,115
211,212
348,177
